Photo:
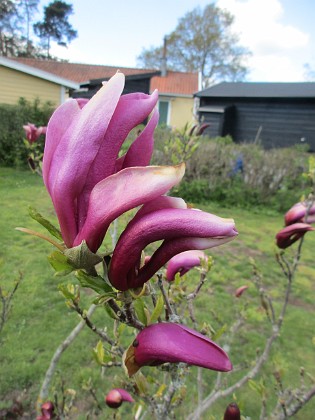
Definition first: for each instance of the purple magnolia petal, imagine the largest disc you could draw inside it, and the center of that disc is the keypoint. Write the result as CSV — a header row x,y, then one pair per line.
x,y
240,290
298,212
77,150
121,192
182,229
131,110
174,343
140,152
116,396
183,262
290,234
232,412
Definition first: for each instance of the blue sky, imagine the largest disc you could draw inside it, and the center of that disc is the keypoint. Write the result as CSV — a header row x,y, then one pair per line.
x,y
280,33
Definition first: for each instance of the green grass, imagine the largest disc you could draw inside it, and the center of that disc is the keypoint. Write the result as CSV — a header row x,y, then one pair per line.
x,y
40,320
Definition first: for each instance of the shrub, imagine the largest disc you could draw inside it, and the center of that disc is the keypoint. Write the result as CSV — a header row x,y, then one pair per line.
x,y
12,119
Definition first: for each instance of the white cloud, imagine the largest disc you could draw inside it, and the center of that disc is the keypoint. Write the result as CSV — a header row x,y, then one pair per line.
x,y
279,50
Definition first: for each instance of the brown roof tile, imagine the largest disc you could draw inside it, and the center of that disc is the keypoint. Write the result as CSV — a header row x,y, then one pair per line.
x,y
174,83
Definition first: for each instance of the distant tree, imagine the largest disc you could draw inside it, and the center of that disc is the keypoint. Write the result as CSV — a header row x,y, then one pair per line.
x,y
9,27
29,8
202,41
55,26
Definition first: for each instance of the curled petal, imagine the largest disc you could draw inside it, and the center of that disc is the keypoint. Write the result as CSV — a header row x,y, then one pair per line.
x,y
116,396
297,213
140,152
174,343
181,229
121,192
292,233
240,291
183,262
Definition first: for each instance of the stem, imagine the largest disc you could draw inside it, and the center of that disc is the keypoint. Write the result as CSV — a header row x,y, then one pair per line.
x,y
55,359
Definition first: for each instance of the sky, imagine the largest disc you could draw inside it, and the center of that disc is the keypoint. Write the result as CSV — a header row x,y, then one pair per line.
x,y
279,33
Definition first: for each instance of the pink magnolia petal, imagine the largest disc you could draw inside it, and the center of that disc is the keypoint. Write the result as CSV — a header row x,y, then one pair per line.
x,y
180,228
183,262
174,343
131,110
298,212
121,192
80,144
140,152
292,233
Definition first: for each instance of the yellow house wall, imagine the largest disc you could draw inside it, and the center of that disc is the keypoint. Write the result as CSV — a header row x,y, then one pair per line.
x,y
15,84
181,112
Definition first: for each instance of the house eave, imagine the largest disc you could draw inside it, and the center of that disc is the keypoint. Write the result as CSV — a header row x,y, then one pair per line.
x,y
32,71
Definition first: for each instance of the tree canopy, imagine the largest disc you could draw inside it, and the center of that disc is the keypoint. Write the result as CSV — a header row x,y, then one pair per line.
x,y
16,23
55,25
202,41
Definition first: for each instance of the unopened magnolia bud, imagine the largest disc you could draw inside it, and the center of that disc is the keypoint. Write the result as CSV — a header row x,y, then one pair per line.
x,y
116,396
240,291
232,412
113,399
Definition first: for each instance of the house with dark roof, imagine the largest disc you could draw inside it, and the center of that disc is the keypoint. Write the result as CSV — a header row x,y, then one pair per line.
x,y
277,114
25,77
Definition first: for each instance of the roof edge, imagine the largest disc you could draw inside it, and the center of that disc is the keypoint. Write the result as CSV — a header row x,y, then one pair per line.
x,y
32,71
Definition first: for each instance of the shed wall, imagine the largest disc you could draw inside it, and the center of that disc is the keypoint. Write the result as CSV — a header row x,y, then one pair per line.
x,y
283,122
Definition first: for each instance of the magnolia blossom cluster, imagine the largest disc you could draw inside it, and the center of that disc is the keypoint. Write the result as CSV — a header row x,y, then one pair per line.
x,y
91,185
33,133
297,221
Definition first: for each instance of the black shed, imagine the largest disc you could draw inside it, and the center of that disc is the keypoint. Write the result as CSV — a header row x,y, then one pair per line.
x,y
279,114
134,83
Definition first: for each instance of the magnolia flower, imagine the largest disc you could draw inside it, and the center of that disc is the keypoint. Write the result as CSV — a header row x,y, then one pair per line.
x,y
47,410
297,214
173,343
116,397
180,228
292,233
240,291
183,262
32,132
81,161
232,412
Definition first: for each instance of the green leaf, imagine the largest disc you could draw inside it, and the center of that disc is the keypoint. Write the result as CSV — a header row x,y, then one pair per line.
x,y
69,291
96,283
45,223
219,332
81,256
157,310
99,353
139,308
110,311
60,263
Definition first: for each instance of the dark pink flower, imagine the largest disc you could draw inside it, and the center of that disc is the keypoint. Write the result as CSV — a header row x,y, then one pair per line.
x,y
47,410
240,291
232,412
81,161
180,228
292,233
183,262
116,397
297,214
174,343
32,132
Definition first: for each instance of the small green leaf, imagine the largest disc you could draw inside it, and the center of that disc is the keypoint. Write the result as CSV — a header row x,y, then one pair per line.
x,y
157,310
219,332
99,353
96,283
139,308
60,263
110,311
69,291
81,256
45,223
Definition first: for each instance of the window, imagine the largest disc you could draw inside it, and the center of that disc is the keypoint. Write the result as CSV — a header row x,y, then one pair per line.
x,y
164,110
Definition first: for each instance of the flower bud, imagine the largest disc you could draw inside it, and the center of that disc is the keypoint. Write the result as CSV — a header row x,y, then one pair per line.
x,y
116,396
232,412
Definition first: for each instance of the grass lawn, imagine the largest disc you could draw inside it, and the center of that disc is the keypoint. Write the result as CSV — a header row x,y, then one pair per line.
x,y
39,319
